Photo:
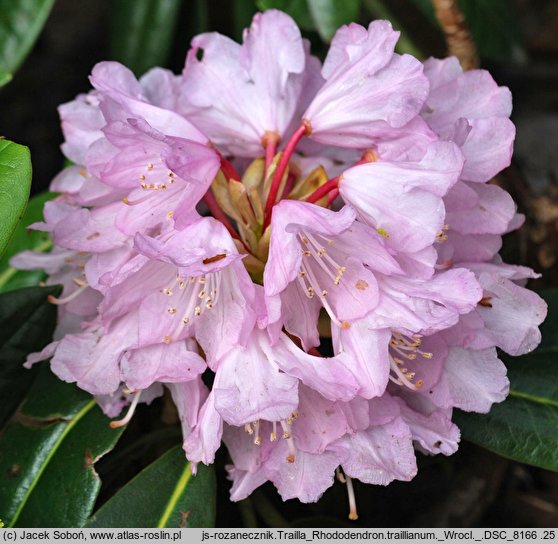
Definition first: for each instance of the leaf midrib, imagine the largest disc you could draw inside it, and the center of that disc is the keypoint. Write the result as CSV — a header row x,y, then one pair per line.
x,y
176,494
533,398
50,455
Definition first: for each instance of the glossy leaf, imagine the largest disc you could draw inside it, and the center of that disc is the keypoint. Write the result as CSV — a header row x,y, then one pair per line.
x,y
297,9
492,24
164,494
243,12
21,22
525,426
324,16
23,239
380,9
143,31
5,78
26,324
329,15
47,474
15,183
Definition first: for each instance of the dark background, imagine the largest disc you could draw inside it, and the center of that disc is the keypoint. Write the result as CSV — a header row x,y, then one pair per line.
x,y
473,487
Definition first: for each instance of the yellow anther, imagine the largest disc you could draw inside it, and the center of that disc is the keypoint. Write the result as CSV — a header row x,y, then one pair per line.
x,y
383,233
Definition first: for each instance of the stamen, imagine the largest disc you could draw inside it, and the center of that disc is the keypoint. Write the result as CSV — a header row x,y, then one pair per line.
x,y
286,430
339,475
58,301
353,514
309,282
408,348
257,438
129,202
129,413
287,436
448,263
403,375
383,233
273,435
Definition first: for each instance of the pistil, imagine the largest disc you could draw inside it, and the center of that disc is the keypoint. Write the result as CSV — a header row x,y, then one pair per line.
x,y
126,419
58,301
322,191
303,130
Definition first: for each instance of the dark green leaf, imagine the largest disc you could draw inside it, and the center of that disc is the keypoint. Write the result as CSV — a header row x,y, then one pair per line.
x,y
165,494
15,182
26,325
525,426
243,12
329,15
23,239
379,9
5,78
492,24
494,28
142,32
21,22
47,474
297,9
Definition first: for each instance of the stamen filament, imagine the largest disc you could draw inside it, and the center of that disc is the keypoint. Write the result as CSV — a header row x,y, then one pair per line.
x,y
229,170
289,150
58,301
270,141
220,215
126,419
322,191
139,200
353,514
332,196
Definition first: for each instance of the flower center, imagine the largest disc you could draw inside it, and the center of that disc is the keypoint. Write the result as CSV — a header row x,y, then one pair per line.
x,y
403,350
316,264
155,178
190,298
253,429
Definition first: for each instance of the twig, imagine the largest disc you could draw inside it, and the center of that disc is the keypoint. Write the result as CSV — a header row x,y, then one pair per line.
x,y
458,37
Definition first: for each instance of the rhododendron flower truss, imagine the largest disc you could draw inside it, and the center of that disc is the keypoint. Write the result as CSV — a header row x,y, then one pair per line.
x,y
216,224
